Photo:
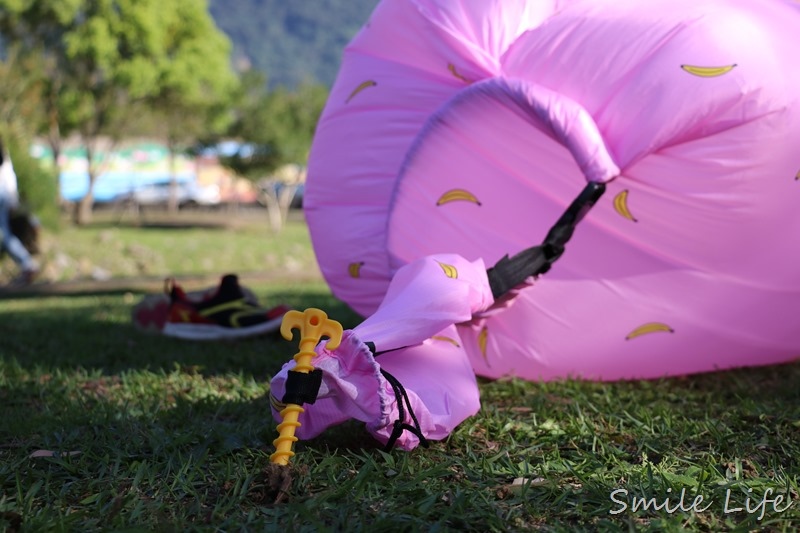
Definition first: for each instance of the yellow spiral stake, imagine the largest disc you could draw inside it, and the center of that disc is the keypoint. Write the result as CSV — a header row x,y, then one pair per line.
x,y
313,325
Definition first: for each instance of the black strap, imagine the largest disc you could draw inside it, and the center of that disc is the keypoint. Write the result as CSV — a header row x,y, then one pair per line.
x,y
302,387
400,425
535,261
376,353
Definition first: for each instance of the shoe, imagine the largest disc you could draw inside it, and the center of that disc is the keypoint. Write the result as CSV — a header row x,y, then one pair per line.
x,y
25,278
151,313
226,314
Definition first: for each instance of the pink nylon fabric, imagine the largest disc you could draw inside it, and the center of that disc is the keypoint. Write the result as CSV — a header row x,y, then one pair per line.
x,y
409,59
415,327
468,127
436,375
459,131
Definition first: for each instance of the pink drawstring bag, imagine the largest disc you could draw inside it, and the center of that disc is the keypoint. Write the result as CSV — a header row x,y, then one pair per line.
x,y
419,351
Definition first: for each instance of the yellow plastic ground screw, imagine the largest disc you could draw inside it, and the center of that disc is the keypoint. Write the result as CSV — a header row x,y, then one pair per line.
x,y
313,325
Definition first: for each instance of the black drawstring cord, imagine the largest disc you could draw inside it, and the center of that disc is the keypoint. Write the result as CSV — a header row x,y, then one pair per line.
x,y
399,424
401,396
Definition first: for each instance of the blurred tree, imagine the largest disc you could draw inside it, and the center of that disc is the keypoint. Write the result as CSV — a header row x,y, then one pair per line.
x,y
194,95
32,29
105,56
274,130
21,85
275,127
38,184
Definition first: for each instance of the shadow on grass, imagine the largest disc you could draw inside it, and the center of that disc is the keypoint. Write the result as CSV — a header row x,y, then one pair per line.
x,y
144,217
162,224
72,352
180,419
75,365
93,331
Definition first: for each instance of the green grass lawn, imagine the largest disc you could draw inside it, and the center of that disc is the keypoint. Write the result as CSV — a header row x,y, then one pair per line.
x,y
157,434
158,245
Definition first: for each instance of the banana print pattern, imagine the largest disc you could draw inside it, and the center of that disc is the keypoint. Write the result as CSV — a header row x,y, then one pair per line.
x,y
621,206
483,337
456,195
620,203
446,339
449,270
354,269
452,68
276,404
650,327
446,188
361,86
708,72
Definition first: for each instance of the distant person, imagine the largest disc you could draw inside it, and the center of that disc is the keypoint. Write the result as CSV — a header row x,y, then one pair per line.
x,y
9,199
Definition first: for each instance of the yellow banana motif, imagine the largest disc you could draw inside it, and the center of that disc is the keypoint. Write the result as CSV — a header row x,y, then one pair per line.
x,y
446,339
276,404
454,195
361,86
449,270
707,72
452,68
650,327
354,269
621,205
483,336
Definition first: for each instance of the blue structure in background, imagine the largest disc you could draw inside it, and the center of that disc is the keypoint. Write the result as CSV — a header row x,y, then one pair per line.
x,y
113,185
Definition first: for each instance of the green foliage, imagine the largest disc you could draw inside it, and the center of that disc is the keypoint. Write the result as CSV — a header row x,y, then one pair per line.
x,y
38,186
293,42
119,52
196,81
107,56
277,125
21,81
114,68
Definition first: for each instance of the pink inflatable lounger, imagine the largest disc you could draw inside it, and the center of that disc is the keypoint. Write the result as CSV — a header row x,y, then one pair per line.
x,y
458,132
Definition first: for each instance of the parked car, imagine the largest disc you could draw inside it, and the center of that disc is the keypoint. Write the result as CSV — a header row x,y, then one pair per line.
x,y
188,194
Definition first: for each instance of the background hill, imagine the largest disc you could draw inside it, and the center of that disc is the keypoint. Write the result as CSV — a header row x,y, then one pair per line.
x,y
291,42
